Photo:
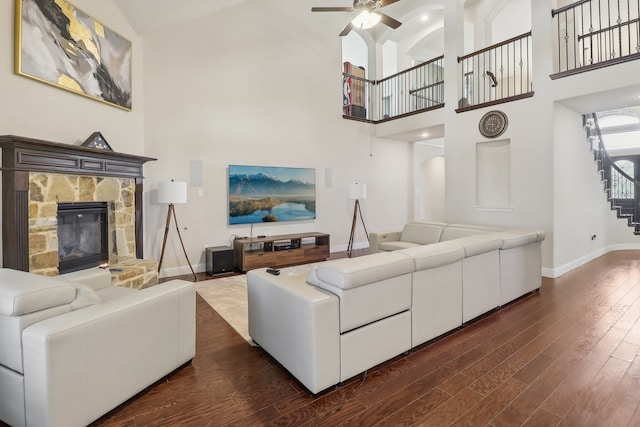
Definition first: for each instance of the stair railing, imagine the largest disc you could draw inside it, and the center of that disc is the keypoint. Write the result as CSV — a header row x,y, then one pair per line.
x,y
620,187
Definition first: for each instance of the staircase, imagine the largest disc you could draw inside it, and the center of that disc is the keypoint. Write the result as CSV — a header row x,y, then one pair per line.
x,y
620,188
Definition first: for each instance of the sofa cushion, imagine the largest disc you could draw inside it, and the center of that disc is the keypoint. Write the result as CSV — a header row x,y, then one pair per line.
x,y
422,232
435,255
98,278
115,292
85,296
480,244
23,293
457,231
396,245
349,273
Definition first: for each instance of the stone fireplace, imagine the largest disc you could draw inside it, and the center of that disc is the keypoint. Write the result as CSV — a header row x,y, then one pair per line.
x,y
38,177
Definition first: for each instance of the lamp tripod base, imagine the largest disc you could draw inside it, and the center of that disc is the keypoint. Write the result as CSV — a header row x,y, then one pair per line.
x,y
356,211
171,212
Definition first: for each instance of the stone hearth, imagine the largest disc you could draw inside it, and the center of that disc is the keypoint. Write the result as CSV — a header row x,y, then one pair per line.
x,y
37,175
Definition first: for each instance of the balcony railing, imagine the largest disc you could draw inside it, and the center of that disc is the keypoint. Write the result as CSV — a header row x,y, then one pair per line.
x,y
595,33
418,89
496,74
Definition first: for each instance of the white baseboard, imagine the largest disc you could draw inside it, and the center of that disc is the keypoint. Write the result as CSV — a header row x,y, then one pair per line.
x,y
565,268
343,248
181,270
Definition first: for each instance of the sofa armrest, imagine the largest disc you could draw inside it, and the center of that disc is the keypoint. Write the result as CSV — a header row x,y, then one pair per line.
x,y
385,236
80,365
298,325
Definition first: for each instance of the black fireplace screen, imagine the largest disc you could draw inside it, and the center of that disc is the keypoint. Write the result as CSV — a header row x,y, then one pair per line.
x,y
82,235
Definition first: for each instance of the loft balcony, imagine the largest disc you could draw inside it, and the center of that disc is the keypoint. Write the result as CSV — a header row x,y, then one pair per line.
x,y
587,35
413,91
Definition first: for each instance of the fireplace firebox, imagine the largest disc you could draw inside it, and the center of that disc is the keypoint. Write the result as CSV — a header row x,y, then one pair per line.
x,y
82,235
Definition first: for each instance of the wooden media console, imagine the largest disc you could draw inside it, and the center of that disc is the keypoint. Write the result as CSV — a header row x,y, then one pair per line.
x,y
280,251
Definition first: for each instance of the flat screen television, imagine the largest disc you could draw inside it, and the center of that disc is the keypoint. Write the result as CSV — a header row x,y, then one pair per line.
x,y
259,194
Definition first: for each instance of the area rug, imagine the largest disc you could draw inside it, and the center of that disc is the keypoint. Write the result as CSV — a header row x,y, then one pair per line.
x,y
228,297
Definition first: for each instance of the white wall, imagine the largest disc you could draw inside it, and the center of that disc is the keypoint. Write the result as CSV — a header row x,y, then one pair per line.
x,y
270,97
429,185
580,208
354,50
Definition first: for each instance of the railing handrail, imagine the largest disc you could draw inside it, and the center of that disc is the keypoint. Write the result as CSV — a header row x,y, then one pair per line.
x,y
410,69
573,5
362,79
493,46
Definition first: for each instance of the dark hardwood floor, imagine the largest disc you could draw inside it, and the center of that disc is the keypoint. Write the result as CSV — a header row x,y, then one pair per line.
x,y
567,355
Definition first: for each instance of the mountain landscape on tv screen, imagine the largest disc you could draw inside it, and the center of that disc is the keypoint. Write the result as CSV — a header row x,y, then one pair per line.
x,y
261,197
263,185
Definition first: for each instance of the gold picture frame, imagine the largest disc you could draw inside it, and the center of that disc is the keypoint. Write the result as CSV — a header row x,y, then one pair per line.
x,y
60,45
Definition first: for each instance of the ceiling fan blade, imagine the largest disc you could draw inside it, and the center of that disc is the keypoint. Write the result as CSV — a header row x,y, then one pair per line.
x,y
389,21
346,30
384,3
331,9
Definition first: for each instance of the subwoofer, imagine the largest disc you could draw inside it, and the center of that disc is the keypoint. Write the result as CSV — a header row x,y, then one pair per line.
x,y
219,260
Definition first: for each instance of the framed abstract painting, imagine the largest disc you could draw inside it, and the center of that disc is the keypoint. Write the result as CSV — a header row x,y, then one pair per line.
x,y
60,45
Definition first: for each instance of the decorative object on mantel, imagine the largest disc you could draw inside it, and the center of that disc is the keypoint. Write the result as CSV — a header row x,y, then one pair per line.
x,y
96,140
357,192
58,44
493,124
172,192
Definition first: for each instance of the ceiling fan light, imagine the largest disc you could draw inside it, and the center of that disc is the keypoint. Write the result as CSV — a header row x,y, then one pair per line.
x,y
365,20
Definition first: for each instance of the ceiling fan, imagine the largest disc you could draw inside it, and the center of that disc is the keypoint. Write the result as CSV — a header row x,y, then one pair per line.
x,y
367,17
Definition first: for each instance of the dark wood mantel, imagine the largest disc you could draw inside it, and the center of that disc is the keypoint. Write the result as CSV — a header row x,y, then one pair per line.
x,y
21,155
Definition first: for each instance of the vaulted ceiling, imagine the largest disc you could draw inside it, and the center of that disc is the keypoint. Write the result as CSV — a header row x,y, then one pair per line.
x,y
147,15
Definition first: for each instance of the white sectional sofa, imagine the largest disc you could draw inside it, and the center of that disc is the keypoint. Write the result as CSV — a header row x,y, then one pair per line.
x,y
348,315
73,347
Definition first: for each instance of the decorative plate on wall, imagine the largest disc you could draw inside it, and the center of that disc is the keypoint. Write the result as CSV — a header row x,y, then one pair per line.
x,y
493,124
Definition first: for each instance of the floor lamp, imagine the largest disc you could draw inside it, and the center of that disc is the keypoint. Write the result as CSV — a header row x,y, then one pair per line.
x,y
357,192
172,192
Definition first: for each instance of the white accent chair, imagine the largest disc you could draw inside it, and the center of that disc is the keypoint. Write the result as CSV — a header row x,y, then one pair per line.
x,y
73,347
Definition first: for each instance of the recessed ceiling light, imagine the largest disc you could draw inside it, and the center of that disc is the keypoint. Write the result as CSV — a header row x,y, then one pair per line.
x,y
424,134
424,18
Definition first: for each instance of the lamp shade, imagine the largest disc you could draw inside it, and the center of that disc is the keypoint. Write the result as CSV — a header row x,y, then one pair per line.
x,y
172,192
357,191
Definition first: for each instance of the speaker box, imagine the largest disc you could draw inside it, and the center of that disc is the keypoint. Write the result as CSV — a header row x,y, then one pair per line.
x,y
219,260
